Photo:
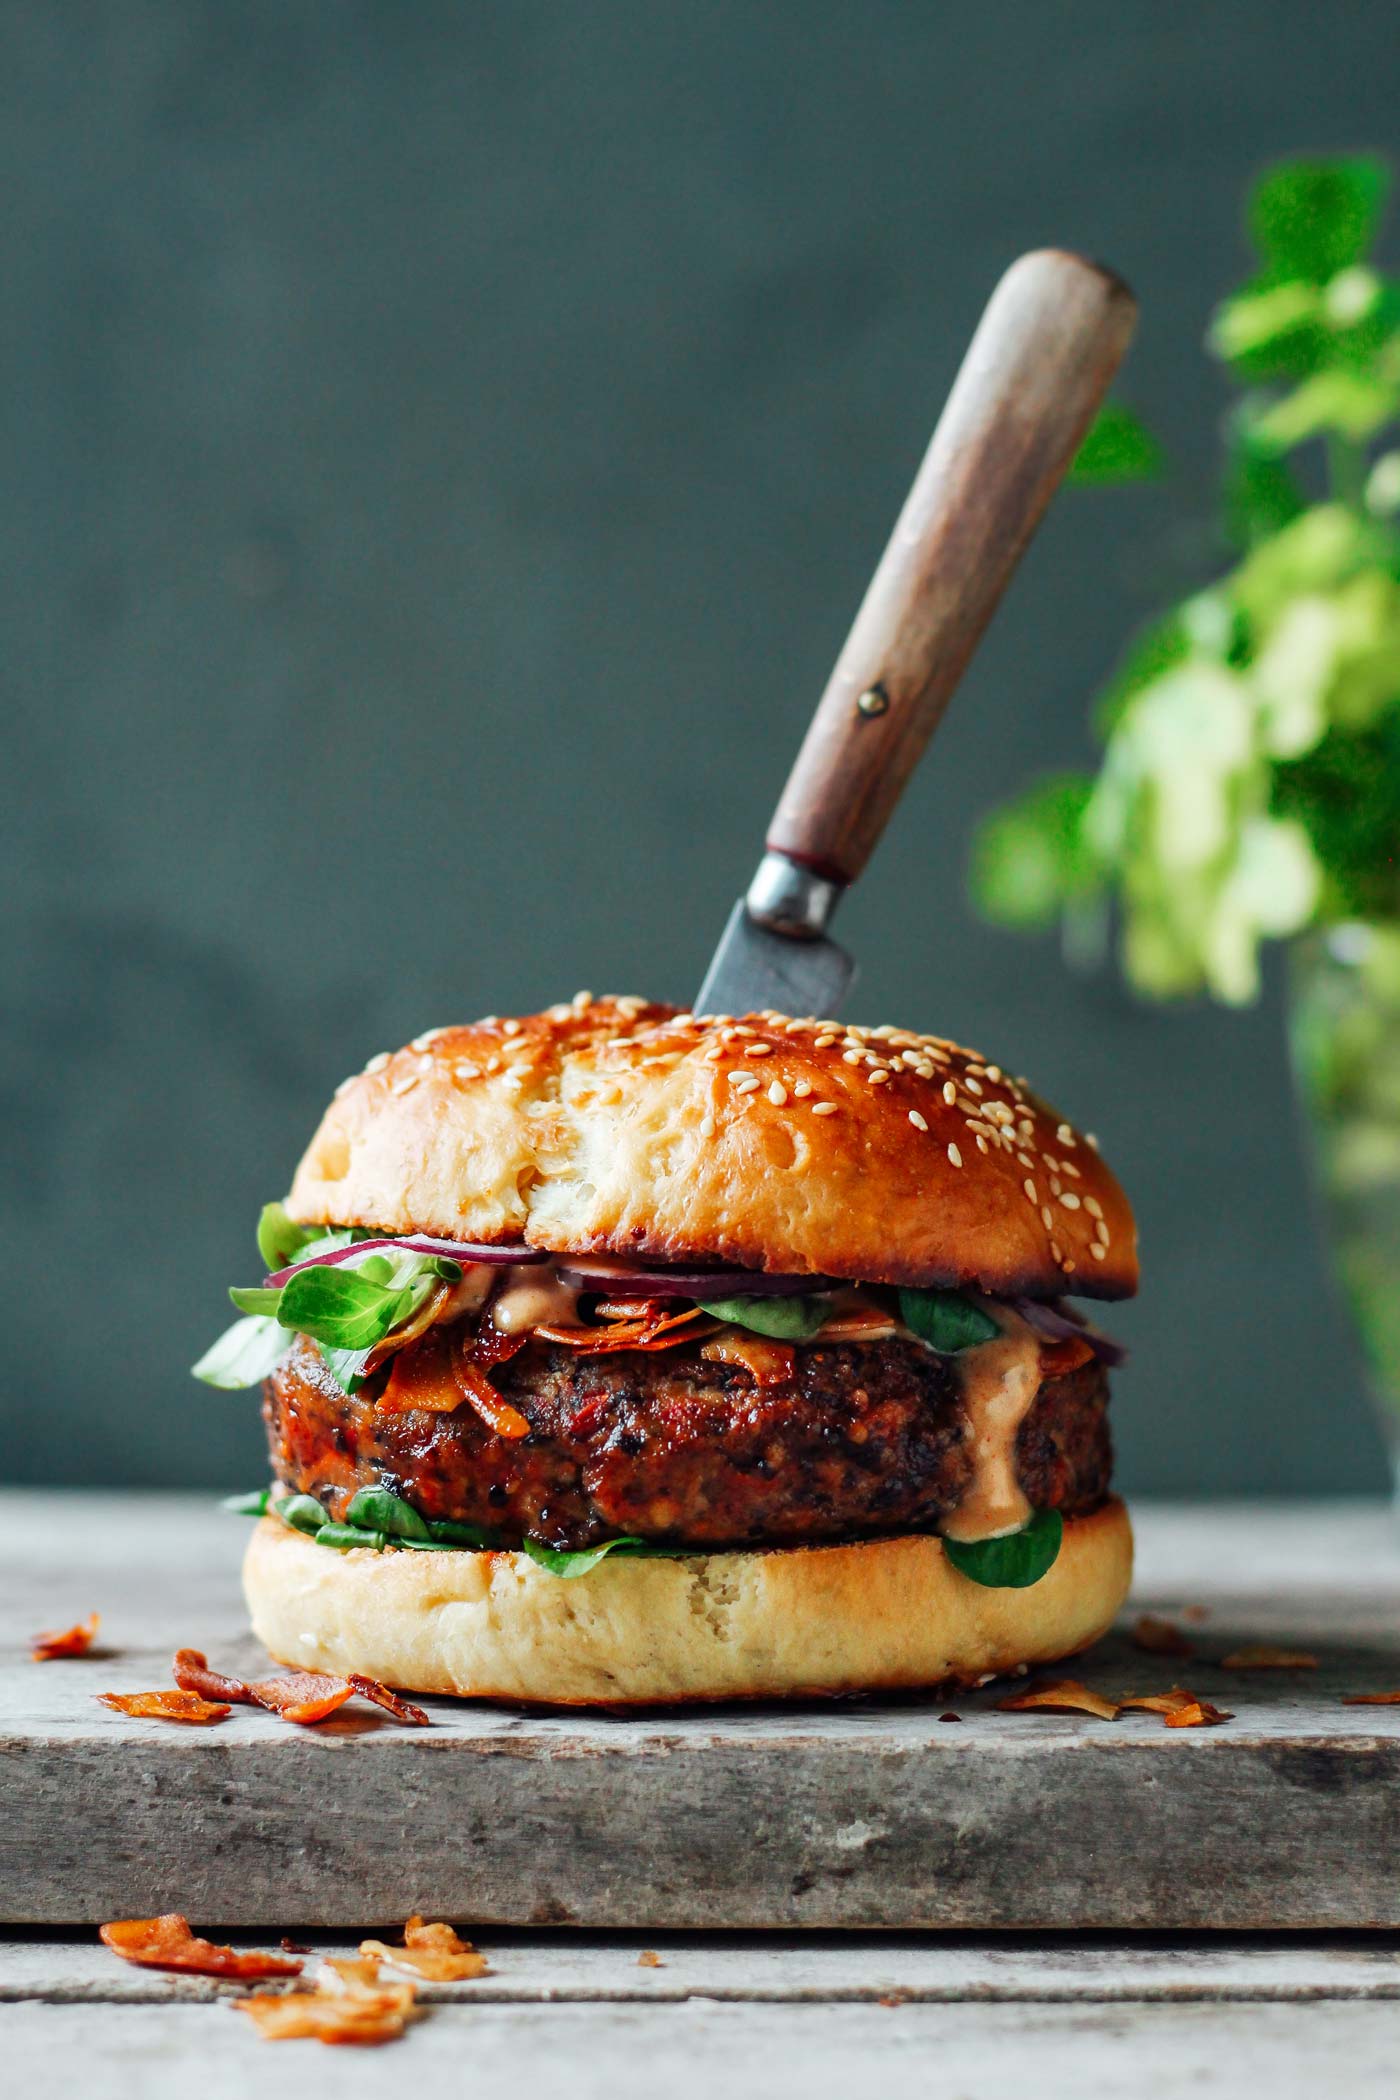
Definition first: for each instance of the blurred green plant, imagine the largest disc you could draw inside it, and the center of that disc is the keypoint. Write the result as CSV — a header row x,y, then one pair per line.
x,y
1250,779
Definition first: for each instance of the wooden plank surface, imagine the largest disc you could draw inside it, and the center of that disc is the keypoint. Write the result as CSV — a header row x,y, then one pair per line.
x,y
702,2047
866,1813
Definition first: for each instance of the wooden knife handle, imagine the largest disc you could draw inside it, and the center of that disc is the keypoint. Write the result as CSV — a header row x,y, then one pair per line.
x,y
1039,365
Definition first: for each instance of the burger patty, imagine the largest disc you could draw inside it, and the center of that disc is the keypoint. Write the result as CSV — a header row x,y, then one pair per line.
x,y
865,1440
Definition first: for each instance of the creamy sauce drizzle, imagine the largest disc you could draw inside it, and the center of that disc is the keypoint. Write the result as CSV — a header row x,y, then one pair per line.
x,y
1000,1380
533,1296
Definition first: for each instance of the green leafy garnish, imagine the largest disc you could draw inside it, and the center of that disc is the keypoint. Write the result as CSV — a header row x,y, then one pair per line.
x,y
789,1319
567,1565
347,1310
378,1509
345,1537
447,1532
245,1354
280,1240
253,1505
1014,1562
946,1320
302,1512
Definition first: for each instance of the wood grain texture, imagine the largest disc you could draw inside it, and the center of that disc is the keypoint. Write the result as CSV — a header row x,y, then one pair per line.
x,y
693,2051
856,1814
1048,344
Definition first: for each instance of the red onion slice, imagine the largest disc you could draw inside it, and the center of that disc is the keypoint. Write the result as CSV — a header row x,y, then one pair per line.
x,y
413,1243
602,1273
1058,1323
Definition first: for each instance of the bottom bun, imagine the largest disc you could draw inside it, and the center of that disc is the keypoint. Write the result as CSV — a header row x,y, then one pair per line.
x,y
885,1614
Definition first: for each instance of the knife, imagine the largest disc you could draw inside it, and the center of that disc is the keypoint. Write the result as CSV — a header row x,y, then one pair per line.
x,y
1052,336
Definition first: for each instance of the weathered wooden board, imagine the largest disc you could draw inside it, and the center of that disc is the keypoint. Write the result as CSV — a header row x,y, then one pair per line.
x,y
694,2050
860,1814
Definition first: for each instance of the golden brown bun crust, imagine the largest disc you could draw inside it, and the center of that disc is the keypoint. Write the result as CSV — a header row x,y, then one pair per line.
x,y
887,1614
627,1129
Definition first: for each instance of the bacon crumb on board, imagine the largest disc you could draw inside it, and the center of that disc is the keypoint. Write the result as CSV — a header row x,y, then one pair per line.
x,y
431,1952
305,1696
360,2017
1178,1708
1063,1695
166,1706
650,1959
73,1640
168,1943
1372,1699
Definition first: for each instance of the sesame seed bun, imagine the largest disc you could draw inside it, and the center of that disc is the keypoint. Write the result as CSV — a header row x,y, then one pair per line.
x,y
884,1614
612,1126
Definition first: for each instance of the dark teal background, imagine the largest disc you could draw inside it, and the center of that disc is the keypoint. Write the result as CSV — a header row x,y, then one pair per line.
x,y
444,446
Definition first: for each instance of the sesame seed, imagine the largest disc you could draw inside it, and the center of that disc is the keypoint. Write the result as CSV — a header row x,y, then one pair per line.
x,y
493,1064
802,1089
405,1084
1068,1267
1029,1186
877,1078
850,1057
466,1071
982,1145
510,1028
824,1108
1065,1135
917,1120
795,1027
713,1053
954,1156
1055,1183
950,1092
1022,1161
759,1050
739,1029
744,1084
1090,1139
1098,1252
377,1064
581,1002
974,1086
994,1074
1056,1252
1047,1216
1070,1200
707,1126
824,1042
1093,1206
1051,1162
777,1093
680,1020
429,1035
1067,1166
741,1078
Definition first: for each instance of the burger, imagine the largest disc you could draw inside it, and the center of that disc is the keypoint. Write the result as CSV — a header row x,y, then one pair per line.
x,y
617,1355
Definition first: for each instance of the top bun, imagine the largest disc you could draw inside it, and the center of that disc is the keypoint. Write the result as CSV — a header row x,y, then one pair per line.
x,y
613,1126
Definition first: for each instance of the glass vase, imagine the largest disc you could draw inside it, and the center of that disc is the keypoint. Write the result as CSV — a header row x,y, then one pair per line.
x,y
1344,1028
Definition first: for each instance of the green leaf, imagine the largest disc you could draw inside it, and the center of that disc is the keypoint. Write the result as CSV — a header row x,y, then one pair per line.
x,y
568,1565
244,1354
1012,1563
280,1240
377,1509
1261,495
254,1505
256,1298
946,1320
1343,403
1117,448
302,1512
789,1319
446,1531
1270,331
343,1307
345,1537
1030,859
1311,218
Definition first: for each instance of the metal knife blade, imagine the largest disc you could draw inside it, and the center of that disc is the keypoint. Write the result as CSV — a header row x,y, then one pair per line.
x,y
754,969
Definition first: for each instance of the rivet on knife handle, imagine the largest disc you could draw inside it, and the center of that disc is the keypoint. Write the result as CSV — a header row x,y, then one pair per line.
x,y
1035,372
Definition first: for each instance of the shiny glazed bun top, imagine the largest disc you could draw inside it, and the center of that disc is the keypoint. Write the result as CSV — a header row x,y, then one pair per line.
x,y
614,1126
